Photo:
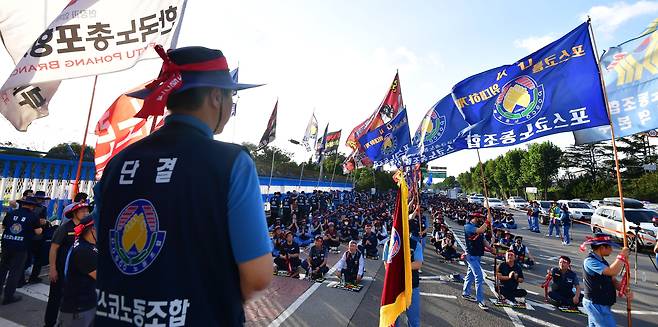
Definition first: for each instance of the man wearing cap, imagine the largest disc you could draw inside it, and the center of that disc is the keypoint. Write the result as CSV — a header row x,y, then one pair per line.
x,y
600,282
35,255
316,263
20,226
78,307
475,244
62,241
203,260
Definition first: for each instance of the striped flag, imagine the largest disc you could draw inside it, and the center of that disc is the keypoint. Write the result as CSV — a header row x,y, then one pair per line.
x,y
396,295
270,131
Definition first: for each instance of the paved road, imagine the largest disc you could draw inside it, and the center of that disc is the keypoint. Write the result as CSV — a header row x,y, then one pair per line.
x,y
290,302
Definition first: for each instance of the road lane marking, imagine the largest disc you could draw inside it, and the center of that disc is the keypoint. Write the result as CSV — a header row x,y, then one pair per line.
x,y
295,305
38,291
8,323
537,321
510,313
443,296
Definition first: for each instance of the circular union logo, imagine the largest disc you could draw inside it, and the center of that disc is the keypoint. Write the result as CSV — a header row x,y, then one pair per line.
x,y
136,240
389,144
394,245
519,101
16,228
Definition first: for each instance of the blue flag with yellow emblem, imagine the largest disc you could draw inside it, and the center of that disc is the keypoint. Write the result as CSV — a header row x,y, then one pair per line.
x,y
556,89
630,72
389,142
436,135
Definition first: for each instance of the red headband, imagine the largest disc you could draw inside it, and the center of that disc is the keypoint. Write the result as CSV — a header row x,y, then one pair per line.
x,y
170,79
590,240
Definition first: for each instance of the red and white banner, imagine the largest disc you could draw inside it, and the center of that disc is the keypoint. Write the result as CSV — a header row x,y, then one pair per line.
x,y
118,129
89,37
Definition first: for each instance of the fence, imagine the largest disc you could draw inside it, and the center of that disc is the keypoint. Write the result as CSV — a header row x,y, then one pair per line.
x,y
56,177
53,176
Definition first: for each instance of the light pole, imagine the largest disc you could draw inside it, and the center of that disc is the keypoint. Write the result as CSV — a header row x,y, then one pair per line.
x,y
299,186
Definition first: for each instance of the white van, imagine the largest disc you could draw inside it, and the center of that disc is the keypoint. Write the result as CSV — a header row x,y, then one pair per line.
x,y
579,210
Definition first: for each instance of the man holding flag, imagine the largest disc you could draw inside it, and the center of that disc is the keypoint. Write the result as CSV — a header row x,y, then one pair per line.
x,y
475,243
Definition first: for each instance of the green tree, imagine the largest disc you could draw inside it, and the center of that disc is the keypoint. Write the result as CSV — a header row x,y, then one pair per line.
x,y
512,167
489,172
448,182
465,181
500,176
70,151
541,165
589,159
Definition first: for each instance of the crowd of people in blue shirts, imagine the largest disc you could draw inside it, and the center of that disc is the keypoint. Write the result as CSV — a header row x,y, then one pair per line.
x,y
318,223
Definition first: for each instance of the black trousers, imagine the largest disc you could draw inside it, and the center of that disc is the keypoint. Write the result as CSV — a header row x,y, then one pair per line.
x,y
35,258
511,294
54,301
283,264
349,276
12,263
559,300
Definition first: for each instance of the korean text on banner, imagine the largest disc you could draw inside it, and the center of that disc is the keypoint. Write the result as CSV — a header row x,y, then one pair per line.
x,y
388,143
556,89
96,37
630,72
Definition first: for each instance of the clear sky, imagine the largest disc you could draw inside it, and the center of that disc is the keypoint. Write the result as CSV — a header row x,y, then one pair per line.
x,y
339,57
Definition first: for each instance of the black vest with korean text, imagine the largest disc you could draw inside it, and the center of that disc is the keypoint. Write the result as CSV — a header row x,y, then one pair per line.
x,y
165,255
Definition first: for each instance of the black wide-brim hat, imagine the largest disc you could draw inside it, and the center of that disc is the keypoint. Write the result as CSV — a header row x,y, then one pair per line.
x,y
195,79
29,201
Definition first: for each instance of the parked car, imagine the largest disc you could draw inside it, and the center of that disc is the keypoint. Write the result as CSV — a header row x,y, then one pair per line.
x,y
579,210
496,203
639,222
595,203
517,202
479,199
544,206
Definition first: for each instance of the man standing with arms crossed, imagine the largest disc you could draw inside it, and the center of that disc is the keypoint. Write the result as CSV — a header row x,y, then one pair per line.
x,y
171,264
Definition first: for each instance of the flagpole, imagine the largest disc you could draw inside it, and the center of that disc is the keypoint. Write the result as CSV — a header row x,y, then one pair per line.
x,y
333,173
271,171
486,193
614,151
320,176
300,175
84,142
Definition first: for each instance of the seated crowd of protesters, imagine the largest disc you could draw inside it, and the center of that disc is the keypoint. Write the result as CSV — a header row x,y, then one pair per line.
x,y
323,221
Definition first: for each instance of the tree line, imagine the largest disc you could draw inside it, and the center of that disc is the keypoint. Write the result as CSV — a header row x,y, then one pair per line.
x,y
580,171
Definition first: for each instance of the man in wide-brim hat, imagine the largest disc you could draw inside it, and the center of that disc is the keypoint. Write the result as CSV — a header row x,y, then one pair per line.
x,y
216,244
601,284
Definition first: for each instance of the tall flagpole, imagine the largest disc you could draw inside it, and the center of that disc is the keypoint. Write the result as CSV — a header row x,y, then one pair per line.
x,y
76,183
614,151
301,175
333,173
484,184
271,171
320,175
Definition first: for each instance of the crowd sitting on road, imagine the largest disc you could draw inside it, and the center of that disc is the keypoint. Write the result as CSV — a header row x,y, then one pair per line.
x,y
319,222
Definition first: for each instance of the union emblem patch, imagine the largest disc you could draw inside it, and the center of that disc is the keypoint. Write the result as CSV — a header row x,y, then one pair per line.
x,y
136,240
519,101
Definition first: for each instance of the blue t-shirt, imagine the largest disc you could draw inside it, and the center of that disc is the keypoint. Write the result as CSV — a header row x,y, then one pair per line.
x,y
593,266
246,217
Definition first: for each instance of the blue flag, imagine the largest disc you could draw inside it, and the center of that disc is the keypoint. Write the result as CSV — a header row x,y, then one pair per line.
x,y
429,180
389,142
435,137
556,89
630,72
